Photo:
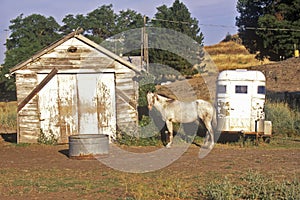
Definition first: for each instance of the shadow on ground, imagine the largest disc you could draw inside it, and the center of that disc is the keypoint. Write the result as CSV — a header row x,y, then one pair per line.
x,y
9,137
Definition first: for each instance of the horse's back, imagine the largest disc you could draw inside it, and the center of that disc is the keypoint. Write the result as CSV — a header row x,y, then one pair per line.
x,y
184,112
204,108
201,102
183,106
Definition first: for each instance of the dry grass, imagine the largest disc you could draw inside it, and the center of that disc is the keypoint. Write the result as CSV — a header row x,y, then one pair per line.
x,y
230,55
163,184
8,116
226,48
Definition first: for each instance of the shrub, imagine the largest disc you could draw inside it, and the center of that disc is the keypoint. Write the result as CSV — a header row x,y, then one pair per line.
x,y
284,120
146,134
146,84
48,139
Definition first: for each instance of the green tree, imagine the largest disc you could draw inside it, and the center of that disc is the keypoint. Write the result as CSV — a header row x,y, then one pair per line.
x,y
178,18
127,23
269,27
28,35
100,23
128,19
72,23
126,39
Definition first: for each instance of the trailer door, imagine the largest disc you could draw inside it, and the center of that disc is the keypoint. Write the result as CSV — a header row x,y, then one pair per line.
x,y
240,108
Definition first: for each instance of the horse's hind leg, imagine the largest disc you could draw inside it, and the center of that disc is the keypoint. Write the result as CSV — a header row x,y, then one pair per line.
x,y
210,133
170,129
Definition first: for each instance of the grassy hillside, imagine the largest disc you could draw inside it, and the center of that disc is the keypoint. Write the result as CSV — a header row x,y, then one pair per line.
x,y
230,55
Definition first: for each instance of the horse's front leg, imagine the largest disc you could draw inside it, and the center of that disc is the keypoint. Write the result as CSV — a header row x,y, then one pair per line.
x,y
170,129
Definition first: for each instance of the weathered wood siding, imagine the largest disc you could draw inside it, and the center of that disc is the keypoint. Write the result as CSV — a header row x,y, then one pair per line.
x,y
58,108
28,118
125,111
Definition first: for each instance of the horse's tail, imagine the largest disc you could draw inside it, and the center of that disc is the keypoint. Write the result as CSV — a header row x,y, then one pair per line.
x,y
214,119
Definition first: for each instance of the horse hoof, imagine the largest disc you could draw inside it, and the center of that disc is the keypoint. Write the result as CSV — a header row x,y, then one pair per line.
x,y
208,146
211,146
168,145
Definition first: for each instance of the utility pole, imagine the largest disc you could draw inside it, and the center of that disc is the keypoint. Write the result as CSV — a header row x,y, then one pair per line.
x,y
144,47
7,36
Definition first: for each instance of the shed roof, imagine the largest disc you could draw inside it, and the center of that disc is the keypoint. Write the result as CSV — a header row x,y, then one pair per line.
x,y
75,34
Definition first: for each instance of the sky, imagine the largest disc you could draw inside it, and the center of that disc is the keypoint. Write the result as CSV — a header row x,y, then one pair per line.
x,y
216,17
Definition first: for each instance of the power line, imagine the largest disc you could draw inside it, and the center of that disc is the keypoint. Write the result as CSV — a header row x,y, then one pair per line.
x,y
219,25
177,22
272,29
184,22
228,26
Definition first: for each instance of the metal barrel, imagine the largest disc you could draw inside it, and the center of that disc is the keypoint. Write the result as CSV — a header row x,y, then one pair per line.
x,y
88,146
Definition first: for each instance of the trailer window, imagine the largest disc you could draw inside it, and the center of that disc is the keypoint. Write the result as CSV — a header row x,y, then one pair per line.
x,y
221,89
261,89
241,89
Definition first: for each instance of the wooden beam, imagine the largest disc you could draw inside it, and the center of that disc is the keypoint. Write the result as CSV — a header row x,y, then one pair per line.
x,y
126,98
37,89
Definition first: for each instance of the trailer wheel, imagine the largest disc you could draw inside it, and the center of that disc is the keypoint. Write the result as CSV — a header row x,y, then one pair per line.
x,y
267,139
242,139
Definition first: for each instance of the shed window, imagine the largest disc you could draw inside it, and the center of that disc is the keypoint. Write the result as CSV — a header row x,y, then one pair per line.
x,y
261,89
241,89
221,89
72,49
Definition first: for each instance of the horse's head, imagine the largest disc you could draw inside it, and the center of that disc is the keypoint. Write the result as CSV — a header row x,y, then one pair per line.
x,y
151,97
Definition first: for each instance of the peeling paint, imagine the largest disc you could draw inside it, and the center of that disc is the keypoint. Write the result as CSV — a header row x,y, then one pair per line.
x,y
48,107
66,105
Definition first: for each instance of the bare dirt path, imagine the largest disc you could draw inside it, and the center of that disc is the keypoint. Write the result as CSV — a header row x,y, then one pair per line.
x,y
36,171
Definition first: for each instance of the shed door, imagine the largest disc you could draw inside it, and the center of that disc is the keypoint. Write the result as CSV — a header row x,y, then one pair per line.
x,y
106,104
78,104
67,102
58,107
96,103
48,108
87,103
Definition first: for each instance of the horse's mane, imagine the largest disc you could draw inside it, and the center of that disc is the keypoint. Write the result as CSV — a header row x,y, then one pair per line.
x,y
168,99
164,96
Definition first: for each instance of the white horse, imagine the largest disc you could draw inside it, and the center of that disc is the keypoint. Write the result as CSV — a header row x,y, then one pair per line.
x,y
184,112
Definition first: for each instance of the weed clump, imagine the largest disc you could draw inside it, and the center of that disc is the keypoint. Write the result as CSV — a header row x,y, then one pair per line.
x,y
285,121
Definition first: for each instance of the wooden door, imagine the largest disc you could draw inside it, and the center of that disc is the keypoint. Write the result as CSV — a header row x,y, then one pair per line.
x,y
68,106
106,105
78,104
96,103
87,107
48,109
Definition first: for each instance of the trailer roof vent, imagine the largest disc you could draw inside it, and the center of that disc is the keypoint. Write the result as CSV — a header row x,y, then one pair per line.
x,y
241,70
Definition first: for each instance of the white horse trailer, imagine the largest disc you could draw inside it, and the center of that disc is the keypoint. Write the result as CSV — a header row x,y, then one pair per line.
x,y
240,103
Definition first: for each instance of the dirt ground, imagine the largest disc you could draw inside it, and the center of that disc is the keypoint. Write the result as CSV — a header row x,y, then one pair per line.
x,y
40,171
45,172
282,76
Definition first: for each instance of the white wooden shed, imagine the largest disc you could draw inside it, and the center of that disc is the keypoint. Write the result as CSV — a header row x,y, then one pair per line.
x,y
74,86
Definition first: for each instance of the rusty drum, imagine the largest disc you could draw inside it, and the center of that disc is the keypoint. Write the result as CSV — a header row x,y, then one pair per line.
x,y
88,146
